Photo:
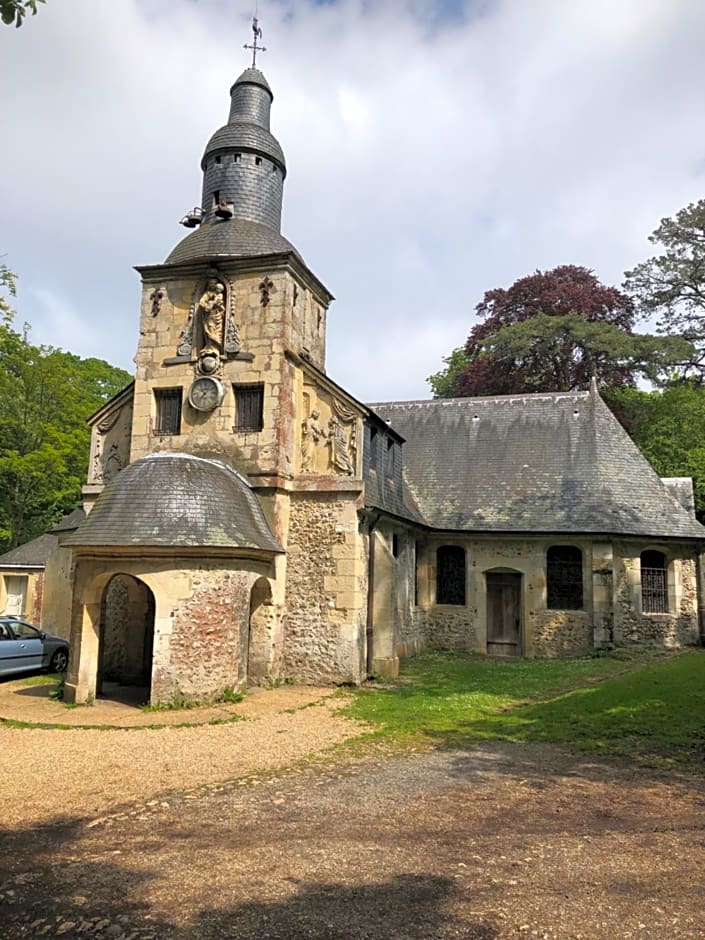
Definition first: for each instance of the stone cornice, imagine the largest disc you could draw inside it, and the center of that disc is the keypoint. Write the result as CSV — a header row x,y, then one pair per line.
x,y
287,260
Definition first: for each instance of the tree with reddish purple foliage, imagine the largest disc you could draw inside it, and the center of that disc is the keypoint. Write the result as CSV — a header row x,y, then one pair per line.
x,y
553,331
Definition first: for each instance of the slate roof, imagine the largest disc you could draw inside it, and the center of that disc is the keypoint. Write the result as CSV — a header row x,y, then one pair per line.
x,y
532,463
252,77
177,500
32,554
70,522
232,238
244,135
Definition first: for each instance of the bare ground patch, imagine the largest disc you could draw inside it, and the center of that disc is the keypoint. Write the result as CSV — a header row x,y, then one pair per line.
x,y
500,841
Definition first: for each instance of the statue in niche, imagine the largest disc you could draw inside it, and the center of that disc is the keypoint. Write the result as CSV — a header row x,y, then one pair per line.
x,y
113,462
212,311
339,456
311,435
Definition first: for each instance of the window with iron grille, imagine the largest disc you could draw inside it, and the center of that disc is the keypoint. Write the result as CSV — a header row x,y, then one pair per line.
x,y
249,407
564,578
168,417
450,575
654,583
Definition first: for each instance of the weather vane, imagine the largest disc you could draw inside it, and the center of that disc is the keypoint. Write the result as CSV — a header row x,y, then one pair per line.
x,y
257,32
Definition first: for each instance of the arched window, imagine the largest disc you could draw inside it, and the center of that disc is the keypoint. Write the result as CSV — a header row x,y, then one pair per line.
x,y
654,583
450,575
564,578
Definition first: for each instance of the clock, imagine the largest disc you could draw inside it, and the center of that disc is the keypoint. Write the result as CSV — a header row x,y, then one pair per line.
x,y
206,393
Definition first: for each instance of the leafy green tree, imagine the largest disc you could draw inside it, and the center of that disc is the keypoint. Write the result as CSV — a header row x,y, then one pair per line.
x,y
552,353
8,286
14,11
668,426
45,397
671,285
443,383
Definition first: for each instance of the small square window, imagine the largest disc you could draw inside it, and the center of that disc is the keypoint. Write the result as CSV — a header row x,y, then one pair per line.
x,y
168,417
249,407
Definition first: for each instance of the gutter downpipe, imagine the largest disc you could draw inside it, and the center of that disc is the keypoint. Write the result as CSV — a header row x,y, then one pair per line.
x,y
370,631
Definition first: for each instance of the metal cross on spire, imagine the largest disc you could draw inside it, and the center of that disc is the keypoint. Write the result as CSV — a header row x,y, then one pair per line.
x,y
257,33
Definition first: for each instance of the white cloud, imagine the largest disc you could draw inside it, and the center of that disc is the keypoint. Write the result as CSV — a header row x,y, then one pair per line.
x,y
429,159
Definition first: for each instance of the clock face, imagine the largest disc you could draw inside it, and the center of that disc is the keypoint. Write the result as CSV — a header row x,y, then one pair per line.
x,y
205,394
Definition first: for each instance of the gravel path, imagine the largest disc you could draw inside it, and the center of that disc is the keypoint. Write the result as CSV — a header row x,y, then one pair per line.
x,y
500,842
79,772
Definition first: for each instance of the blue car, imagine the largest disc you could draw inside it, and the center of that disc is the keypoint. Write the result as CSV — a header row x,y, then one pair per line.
x,y
24,647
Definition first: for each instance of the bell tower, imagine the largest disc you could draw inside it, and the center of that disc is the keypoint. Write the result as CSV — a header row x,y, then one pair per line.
x,y
231,310
230,366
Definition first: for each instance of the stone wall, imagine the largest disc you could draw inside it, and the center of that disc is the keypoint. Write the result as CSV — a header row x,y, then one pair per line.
x,y
58,587
201,622
449,627
611,611
326,590
562,633
115,626
679,626
206,651
286,316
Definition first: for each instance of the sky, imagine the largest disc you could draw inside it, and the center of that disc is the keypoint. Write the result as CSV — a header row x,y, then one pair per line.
x,y
436,149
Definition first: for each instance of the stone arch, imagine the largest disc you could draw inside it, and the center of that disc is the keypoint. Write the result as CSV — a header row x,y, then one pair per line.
x,y
126,637
261,634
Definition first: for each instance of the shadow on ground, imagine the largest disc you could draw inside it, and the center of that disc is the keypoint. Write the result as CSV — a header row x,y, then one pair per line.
x,y
52,885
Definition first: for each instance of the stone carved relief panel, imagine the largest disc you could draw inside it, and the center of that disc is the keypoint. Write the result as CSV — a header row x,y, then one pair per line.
x,y
328,435
110,444
211,332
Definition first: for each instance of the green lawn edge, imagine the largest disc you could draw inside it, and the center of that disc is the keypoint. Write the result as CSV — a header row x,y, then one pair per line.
x,y
646,706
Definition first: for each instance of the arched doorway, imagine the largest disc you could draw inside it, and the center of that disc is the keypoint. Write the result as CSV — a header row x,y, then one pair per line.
x,y
261,633
126,640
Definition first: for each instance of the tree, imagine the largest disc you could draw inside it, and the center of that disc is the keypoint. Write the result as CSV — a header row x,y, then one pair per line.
x,y
14,11
668,426
8,283
671,285
45,397
443,383
552,331
556,354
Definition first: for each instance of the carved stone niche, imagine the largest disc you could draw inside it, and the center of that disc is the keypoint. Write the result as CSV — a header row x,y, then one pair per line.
x,y
211,333
110,443
328,435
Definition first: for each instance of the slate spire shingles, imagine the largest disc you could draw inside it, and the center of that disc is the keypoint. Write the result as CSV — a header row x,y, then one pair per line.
x,y
244,167
531,463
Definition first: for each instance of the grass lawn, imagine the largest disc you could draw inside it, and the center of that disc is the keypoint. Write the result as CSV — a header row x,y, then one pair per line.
x,y
648,707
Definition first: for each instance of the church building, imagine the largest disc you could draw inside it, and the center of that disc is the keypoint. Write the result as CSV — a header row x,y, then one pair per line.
x,y
248,520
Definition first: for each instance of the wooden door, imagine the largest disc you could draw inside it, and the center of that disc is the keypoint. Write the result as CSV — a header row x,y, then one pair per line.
x,y
16,595
503,614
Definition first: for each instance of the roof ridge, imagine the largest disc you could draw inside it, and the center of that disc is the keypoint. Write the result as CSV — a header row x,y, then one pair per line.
x,y
518,397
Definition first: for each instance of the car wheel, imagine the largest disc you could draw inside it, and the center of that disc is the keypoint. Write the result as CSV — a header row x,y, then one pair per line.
x,y
59,661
